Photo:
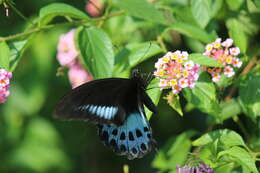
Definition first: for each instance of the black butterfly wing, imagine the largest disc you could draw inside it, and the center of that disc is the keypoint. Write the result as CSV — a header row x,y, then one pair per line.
x,y
103,101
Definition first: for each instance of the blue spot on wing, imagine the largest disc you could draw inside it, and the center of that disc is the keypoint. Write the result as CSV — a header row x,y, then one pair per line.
x,y
106,112
131,139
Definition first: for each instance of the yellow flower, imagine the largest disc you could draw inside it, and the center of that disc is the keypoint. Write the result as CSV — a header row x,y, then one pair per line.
x,y
185,73
166,59
229,60
173,82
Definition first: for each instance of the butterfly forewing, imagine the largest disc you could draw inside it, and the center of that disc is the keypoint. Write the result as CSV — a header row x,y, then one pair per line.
x,y
101,101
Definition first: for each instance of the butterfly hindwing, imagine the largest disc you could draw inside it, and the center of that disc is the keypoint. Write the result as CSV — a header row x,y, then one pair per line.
x,y
101,101
133,138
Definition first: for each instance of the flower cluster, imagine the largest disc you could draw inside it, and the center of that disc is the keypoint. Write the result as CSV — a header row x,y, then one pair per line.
x,y
67,56
202,168
177,72
5,77
226,55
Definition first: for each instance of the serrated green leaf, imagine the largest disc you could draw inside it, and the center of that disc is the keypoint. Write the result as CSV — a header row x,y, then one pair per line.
x,y
204,60
203,96
53,10
154,94
249,92
201,11
142,9
4,55
236,32
97,51
193,32
228,138
241,156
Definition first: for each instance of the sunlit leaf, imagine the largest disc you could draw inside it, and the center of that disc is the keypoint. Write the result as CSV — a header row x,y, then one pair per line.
x,y
241,156
201,11
97,51
47,13
154,93
204,60
142,9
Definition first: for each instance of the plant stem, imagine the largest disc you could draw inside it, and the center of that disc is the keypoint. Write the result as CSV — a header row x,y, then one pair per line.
x,y
241,126
46,27
161,43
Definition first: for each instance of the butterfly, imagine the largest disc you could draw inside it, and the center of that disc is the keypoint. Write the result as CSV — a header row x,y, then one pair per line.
x,y
116,106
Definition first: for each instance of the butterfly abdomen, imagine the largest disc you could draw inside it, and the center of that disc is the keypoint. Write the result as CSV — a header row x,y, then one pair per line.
x,y
133,138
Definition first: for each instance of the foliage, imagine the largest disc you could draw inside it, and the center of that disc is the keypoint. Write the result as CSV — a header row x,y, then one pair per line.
x,y
220,123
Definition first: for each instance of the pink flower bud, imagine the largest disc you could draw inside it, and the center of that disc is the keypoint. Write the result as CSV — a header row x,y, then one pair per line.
x,y
5,77
67,52
78,76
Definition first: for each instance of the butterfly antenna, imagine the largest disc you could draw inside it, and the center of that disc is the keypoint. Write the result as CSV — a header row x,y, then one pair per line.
x,y
145,53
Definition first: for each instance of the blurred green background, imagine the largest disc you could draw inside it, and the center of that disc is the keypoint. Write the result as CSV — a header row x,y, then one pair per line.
x,y
31,140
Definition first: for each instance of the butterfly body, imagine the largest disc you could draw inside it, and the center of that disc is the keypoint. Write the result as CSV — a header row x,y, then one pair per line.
x,y
116,106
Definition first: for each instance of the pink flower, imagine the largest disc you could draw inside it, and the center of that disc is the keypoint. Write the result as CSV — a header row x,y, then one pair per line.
x,y
236,62
228,71
175,71
94,8
234,51
183,83
67,52
78,76
5,77
227,43
223,53
215,77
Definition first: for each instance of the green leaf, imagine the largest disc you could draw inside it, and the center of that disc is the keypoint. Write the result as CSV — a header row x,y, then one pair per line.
x,y
236,32
203,96
235,4
229,109
53,10
227,168
249,92
241,156
174,101
204,60
215,7
142,9
257,3
17,50
192,31
154,94
4,55
227,137
174,153
132,55
97,51
201,11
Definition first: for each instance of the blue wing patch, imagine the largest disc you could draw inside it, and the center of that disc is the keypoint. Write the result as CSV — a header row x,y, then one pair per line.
x,y
106,112
133,138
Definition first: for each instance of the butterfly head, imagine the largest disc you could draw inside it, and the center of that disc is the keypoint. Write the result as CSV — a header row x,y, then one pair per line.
x,y
139,78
